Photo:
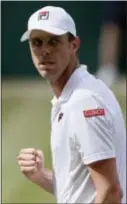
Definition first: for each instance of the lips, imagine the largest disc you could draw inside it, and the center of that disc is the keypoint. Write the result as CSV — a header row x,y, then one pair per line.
x,y
45,65
47,62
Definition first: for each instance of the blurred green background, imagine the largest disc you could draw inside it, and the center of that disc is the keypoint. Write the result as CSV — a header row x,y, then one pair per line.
x,y
26,97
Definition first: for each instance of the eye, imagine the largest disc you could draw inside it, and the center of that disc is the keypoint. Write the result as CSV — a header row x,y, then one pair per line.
x,y
36,42
53,42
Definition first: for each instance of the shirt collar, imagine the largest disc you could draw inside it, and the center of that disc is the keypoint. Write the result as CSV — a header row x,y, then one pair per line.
x,y
70,85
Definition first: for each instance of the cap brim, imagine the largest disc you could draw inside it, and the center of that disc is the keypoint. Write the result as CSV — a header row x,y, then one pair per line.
x,y
48,29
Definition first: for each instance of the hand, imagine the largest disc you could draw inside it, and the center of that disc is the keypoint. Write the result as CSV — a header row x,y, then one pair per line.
x,y
31,163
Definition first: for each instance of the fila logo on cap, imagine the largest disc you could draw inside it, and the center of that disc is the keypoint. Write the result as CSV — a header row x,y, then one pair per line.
x,y
43,15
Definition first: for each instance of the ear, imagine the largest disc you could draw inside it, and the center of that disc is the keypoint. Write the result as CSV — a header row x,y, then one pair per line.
x,y
76,44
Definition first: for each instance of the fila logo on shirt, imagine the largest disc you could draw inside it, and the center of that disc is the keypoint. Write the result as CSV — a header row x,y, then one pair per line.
x,y
60,116
43,15
94,112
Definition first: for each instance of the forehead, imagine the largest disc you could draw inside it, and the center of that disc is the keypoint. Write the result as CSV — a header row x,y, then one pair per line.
x,y
44,35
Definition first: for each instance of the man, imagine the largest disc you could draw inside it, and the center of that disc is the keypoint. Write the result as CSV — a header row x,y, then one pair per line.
x,y
88,133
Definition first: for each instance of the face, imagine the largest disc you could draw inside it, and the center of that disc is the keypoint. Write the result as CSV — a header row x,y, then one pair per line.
x,y
51,54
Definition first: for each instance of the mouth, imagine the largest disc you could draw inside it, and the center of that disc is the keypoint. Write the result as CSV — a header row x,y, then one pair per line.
x,y
46,62
46,65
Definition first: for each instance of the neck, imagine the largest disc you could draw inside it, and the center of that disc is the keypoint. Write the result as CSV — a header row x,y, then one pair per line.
x,y
58,86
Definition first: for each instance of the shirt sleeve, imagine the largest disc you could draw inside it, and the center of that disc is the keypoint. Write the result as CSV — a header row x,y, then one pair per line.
x,y
93,131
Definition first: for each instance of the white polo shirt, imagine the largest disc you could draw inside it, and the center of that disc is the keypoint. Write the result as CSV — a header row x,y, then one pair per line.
x,y
87,126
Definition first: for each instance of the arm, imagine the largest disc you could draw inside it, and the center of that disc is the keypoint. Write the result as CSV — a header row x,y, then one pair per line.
x,y
95,138
47,181
105,178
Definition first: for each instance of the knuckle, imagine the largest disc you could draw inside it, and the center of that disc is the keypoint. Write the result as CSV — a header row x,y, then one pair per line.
x,y
27,150
26,156
31,150
27,163
24,169
21,163
20,157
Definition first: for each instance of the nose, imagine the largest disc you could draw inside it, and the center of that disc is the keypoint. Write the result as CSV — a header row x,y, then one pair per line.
x,y
45,50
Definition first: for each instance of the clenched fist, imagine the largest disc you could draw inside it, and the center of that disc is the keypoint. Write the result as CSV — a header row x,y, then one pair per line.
x,y
31,163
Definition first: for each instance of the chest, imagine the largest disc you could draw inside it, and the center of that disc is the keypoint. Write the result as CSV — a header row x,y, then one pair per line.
x,y
60,139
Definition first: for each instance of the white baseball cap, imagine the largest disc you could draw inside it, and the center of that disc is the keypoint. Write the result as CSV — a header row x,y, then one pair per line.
x,y
54,20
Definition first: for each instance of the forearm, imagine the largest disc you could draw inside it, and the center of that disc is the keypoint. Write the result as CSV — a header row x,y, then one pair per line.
x,y
47,181
109,197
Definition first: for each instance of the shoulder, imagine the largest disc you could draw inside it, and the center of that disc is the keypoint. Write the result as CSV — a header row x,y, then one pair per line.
x,y
86,99
90,107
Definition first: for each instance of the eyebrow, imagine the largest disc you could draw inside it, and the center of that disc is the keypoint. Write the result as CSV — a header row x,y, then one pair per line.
x,y
50,38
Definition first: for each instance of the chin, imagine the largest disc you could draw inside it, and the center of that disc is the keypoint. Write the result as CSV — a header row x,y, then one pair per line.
x,y
46,75
43,73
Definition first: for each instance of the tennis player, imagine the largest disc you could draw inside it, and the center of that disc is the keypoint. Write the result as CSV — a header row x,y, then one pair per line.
x,y
88,142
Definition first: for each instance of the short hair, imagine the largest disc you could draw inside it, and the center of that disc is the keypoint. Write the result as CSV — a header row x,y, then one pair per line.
x,y
70,37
